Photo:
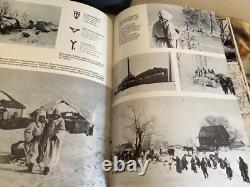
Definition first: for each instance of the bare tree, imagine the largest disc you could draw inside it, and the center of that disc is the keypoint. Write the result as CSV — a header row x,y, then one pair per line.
x,y
140,125
192,17
198,19
13,14
189,40
24,18
4,8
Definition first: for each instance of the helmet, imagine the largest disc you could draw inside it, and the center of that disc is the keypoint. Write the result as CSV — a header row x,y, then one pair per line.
x,y
42,113
165,14
57,112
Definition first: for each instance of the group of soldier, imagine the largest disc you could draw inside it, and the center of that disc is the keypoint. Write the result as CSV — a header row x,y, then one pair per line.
x,y
181,163
209,162
43,140
227,85
225,82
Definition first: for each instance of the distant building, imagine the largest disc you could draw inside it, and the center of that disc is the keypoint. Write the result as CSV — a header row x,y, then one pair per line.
x,y
9,107
213,136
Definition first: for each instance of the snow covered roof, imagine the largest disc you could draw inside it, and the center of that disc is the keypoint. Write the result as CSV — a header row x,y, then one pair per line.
x,y
6,101
61,104
213,131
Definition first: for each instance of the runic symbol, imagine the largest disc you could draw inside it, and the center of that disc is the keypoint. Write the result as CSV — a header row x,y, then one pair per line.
x,y
76,14
74,30
73,44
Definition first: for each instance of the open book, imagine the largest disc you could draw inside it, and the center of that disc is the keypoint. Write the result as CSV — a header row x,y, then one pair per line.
x,y
146,99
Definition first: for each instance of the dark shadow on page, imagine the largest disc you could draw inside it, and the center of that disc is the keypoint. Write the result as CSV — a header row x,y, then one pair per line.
x,y
107,6
19,169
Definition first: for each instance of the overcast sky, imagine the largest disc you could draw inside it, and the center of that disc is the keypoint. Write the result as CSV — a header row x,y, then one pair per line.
x,y
35,12
189,63
177,119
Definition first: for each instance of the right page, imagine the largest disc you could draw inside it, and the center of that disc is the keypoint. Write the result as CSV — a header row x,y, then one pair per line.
x,y
175,110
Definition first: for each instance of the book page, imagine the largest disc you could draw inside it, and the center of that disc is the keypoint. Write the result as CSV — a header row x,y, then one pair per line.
x,y
55,105
175,110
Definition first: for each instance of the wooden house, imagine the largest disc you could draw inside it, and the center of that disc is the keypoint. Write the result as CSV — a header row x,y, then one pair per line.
x,y
213,136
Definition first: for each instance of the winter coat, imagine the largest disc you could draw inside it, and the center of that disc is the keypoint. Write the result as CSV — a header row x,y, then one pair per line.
x,y
51,142
32,136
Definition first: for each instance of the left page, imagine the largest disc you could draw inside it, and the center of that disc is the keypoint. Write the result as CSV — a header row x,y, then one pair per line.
x,y
55,93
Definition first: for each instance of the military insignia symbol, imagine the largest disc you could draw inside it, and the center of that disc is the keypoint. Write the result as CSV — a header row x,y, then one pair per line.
x,y
76,14
73,44
74,30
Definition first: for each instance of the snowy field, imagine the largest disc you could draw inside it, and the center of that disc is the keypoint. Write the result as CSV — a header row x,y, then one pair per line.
x,y
203,42
47,40
79,165
163,86
159,174
205,89
207,43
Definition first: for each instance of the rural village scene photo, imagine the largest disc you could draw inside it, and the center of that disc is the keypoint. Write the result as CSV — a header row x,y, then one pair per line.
x,y
184,28
51,132
29,23
189,142
227,38
144,72
204,74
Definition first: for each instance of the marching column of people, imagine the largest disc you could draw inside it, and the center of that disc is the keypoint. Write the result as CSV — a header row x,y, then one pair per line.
x,y
43,141
205,163
243,169
181,163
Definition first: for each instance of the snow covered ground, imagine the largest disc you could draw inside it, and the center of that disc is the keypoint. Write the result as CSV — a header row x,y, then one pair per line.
x,y
206,89
207,43
159,174
79,165
163,86
47,40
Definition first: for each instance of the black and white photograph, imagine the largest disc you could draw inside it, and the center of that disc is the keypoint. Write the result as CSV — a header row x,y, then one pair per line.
x,y
144,72
183,28
188,141
54,130
227,39
32,24
206,74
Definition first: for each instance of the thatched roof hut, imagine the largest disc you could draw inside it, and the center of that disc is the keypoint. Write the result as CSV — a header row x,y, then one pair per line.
x,y
62,104
10,107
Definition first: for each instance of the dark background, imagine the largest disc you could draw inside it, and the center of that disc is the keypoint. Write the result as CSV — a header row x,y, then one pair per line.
x,y
108,6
